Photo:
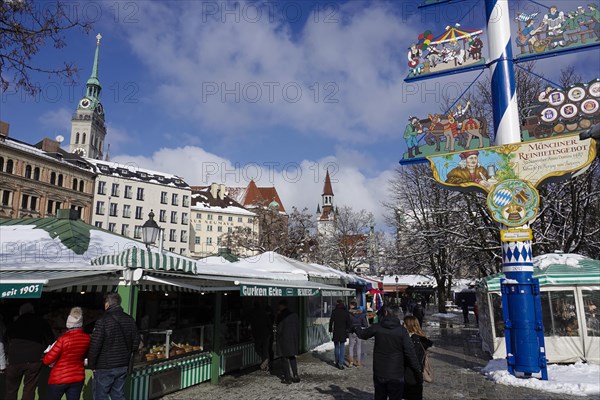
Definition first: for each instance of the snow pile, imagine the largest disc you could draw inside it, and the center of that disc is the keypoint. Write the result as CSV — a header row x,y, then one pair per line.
x,y
445,316
510,281
544,261
577,379
329,346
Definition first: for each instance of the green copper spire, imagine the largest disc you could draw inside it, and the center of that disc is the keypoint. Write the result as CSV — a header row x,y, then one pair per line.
x,y
93,84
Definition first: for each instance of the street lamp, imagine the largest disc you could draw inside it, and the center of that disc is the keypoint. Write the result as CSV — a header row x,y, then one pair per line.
x,y
396,289
150,231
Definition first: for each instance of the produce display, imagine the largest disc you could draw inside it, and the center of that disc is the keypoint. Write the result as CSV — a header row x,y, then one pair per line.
x,y
159,352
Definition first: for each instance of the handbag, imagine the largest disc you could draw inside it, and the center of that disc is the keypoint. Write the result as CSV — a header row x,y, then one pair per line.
x,y
427,367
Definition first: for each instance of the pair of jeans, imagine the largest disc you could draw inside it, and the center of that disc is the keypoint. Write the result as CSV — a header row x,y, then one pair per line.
x,y
30,371
72,390
388,389
109,382
355,342
339,352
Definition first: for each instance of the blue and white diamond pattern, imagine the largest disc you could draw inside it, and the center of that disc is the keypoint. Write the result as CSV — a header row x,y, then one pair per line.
x,y
517,252
502,198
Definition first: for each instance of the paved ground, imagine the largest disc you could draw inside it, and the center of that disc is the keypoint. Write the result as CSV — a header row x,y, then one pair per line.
x,y
457,358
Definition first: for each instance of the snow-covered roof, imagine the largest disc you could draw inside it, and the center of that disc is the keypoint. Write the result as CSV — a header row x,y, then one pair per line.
x,y
133,172
410,280
545,260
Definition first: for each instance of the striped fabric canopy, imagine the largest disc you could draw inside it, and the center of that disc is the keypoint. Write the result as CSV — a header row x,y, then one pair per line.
x,y
136,257
586,273
454,33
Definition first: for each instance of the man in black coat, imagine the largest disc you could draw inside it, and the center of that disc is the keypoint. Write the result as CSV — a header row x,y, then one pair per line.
x,y
340,324
288,338
393,347
262,328
114,340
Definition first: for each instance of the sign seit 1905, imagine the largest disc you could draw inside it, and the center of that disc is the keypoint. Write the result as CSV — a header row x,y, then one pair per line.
x,y
20,291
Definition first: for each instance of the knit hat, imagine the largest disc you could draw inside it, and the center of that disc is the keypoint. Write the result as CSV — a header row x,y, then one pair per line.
x,y
75,319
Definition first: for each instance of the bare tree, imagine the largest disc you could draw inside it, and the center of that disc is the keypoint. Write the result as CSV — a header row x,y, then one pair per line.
x,y
345,246
301,242
25,27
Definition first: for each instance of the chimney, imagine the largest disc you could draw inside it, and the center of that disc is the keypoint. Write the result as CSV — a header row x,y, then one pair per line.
x,y
214,188
4,129
50,146
221,191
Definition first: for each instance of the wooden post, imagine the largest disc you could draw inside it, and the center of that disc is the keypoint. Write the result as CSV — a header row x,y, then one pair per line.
x,y
216,347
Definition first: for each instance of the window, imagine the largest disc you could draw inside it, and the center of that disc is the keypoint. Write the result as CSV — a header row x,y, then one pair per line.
x,y
36,173
162,216
6,198
591,302
77,138
208,240
230,219
140,194
183,236
128,193
197,240
33,203
50,207
137,232
219,240
113,209
100,208
229,230
1,164
219,229
163,197
52,177
9,166
83,140
126,211
240,219
112,226
171,249
24,201
98,224
198,216
559,313
182,251
28,172
115,190
220,218
250,220
59,182
138,212
174,200
198,227
81,185
173,235
209,228
173,217
186,200
124,230
101,187
209,217
184,218
74,187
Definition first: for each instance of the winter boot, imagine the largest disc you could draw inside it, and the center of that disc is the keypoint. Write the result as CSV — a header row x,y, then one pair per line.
x,y
350,362
417,152
357,364
410,153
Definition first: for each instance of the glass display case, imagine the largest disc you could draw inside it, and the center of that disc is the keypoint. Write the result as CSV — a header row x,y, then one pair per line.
x,y
163,344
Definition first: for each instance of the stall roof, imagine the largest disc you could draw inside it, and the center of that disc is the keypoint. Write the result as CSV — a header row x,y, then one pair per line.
x,y
556,269
410,280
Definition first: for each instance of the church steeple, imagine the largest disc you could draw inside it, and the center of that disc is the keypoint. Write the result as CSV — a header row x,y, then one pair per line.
x,y
326,219
327,195
87,125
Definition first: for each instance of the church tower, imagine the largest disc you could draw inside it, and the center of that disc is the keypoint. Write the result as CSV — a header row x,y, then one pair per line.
x,y
87,125
326,221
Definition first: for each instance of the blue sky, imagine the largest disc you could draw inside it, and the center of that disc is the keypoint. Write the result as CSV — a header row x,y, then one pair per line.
x,y
276,90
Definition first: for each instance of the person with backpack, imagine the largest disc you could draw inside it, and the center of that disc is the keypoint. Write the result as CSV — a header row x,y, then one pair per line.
x,y
359,320
413,387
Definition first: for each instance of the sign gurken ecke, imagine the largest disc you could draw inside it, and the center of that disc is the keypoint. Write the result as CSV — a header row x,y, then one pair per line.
x,y
276,291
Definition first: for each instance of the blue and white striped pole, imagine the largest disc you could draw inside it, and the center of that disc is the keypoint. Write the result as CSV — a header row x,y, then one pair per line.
x,y
521,303
504,95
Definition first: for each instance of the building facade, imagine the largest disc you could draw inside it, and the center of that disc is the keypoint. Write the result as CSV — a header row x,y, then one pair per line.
x,y
124,195
215,217
37,180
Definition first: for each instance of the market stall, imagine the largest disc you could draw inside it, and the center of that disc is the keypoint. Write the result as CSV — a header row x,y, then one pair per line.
x,y
570,294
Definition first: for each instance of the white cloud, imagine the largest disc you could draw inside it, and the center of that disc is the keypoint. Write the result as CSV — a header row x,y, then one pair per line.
x,y
57,121
298,184
356,62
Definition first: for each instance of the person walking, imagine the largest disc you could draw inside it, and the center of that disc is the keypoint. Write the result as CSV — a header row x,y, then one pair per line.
x,y
27,338
413,389
359,320
114,339
68,355
419,313
261,333
288,329
393,348
465,311
340,324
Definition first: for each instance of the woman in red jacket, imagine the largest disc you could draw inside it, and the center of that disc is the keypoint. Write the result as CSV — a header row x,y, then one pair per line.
x,y
68,354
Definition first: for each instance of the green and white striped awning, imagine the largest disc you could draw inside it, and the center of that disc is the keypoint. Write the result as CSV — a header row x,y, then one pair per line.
x,y
587,272
136,257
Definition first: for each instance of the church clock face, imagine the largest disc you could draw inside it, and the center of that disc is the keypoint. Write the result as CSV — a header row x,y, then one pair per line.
x,y
100,109
85,103
80,152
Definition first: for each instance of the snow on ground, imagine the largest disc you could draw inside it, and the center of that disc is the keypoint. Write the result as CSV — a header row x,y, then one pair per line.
x,y
445,316
576,379
329,346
